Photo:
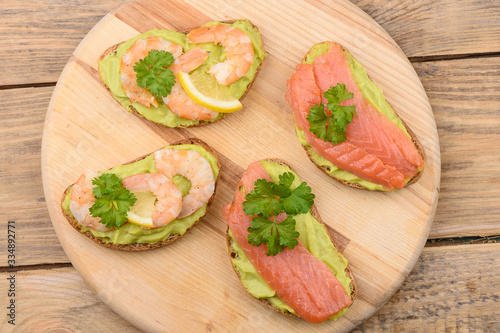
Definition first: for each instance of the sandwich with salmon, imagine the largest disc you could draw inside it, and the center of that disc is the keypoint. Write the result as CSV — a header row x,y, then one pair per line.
x,y
184,79
280,248
147,203
346,125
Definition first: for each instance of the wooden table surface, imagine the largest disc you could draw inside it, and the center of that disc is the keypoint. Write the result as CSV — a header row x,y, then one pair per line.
x,y
454,46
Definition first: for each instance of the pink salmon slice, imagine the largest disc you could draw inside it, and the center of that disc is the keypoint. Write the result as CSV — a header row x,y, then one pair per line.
x,y
375,148
302,281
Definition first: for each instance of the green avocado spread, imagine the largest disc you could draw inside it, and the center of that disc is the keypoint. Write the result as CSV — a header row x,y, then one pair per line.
x,y
109,69
373,94
315,238
132,233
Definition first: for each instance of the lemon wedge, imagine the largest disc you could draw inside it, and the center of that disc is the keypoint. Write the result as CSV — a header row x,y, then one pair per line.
x,y
204,90
142,211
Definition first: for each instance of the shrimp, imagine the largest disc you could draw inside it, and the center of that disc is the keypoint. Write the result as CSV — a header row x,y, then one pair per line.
x,y
178,101
237,46
139,50
168,195
195,168
82,199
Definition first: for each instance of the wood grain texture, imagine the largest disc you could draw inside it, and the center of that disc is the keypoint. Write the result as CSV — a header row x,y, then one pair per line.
x,y
457,214
465,96
465,101
421,28
57,300
21,193
469,298
381,257
37,37
438,28
459,110
451,289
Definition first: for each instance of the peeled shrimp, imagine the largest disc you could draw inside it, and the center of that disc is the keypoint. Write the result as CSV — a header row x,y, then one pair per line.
x,y
195,168
139,50
168,195
178,101
237,46
82,199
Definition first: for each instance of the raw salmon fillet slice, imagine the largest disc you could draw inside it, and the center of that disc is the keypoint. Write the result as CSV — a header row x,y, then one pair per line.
x,y
375,148
302,281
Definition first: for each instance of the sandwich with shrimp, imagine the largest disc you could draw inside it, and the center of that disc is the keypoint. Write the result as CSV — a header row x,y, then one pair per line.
x,y
147,203
346,125
184,79
281,250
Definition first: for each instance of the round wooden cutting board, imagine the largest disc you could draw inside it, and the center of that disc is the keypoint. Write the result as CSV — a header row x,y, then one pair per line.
x,y
189,286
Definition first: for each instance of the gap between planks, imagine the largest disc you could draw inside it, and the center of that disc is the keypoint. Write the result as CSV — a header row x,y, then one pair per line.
x,y
453,57
411,59
456,241
34,267
28,85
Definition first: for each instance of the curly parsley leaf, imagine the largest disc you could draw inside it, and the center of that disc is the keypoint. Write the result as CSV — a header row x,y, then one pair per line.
x,y
267,200
153,73
332,127
113,201
282,189
275,235
266,205
299,201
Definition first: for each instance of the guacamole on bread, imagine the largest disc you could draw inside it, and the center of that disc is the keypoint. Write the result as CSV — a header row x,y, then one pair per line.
x,y
312,234
134,237
372,95
110,72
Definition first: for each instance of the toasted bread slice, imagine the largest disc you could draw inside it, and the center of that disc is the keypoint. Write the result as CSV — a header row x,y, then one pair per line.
x,y
112,51
414,139
142,246
232,252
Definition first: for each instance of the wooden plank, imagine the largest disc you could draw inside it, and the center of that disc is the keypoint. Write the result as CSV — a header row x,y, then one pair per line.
x,y
465,97
451,289
438,28
382,252
55,300
37,37
421,28
21,193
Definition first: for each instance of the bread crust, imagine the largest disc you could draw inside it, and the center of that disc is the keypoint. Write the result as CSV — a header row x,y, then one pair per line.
x,y
143,246
111,51
414,139
314,212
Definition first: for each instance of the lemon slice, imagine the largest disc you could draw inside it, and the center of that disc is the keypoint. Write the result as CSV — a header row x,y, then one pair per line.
x,y
206,91
142,211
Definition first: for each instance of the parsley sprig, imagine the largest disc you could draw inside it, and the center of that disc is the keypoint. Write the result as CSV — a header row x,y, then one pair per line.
x,y
332,127
153,73
113,201
268,200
